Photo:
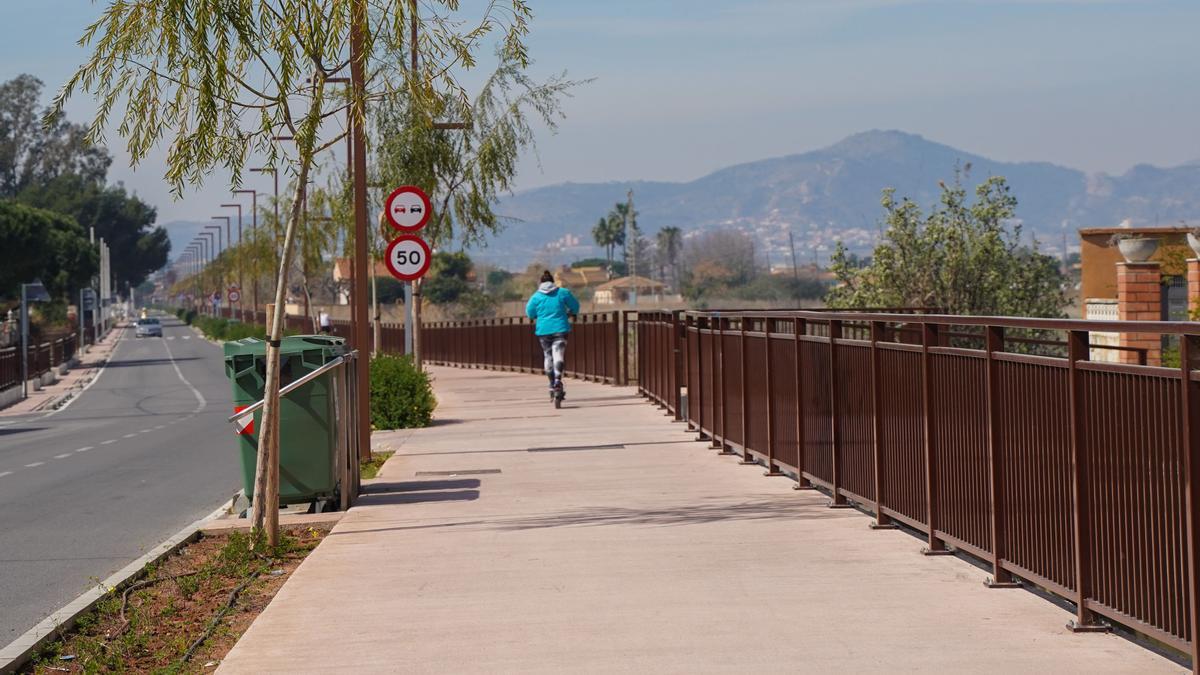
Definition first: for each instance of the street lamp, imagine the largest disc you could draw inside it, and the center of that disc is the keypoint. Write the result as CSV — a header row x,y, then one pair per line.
x,y
34,292
253,226
210,243
240,253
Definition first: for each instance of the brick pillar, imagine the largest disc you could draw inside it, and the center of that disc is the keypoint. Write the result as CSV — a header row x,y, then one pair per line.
x,y
1193,277
1139,298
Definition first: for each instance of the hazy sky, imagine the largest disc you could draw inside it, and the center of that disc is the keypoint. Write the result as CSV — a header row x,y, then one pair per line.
x,y
685,87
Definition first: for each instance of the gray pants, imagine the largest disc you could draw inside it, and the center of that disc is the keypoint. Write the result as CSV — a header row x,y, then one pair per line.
x,y
554,353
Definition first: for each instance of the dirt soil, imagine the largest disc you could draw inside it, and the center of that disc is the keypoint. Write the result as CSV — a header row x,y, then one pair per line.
x,y
175,604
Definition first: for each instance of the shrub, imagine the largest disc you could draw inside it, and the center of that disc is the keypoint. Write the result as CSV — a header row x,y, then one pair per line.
x,y
401,395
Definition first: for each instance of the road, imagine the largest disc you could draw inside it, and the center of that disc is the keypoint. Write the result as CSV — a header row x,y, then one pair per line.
x,y
86,490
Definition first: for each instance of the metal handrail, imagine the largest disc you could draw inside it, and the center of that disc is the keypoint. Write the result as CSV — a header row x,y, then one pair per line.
x,y
305,379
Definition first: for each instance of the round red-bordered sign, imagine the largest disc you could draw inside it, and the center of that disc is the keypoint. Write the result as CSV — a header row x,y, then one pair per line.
x,y
408,257
234,295
407,208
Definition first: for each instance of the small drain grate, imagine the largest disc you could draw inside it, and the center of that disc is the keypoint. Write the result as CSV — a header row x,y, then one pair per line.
x,y
462,472
566,448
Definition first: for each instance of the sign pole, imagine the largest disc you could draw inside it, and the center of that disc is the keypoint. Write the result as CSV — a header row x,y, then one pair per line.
x,y
408,318
24,343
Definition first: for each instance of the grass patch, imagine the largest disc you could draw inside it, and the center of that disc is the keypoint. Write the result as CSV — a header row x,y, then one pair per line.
x,y
370,468
185,613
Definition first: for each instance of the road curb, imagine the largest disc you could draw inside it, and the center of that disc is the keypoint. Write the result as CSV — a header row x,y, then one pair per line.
x,y
18,652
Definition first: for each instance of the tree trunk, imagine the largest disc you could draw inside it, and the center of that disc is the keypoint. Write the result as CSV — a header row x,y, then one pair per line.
x,y
266,477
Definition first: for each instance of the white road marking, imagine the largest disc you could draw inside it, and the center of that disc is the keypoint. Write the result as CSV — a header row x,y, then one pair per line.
x,y
62,456
35,464
5,473
84,448
109,441
129,435
145,431
200,402
95,379
187,337
171,338
159,426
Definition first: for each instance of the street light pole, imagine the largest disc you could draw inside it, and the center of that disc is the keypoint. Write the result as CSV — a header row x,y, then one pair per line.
x,y
254,227
228,245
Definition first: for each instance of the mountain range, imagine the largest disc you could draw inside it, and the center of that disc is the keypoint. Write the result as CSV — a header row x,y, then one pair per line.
x,y
833,194
828,195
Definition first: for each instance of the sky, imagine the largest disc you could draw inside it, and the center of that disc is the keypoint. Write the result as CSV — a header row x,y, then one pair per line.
x,y
680,88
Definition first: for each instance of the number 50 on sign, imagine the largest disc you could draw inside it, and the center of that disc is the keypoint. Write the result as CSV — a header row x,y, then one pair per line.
x,y
408,258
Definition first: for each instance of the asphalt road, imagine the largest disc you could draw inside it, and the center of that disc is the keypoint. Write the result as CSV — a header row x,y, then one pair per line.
x,y
132,460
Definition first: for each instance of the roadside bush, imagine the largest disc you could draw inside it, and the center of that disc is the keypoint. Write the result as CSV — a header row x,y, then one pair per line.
x,y
401,394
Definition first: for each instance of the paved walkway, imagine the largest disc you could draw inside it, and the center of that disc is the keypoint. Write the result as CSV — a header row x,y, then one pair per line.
x,y
91,359
511,537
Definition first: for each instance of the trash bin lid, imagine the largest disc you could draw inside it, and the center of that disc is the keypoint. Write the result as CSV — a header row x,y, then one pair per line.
x,y
330,345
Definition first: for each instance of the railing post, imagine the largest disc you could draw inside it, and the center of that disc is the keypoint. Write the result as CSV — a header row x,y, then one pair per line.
x,y
625,347
799,327
838,500
694,320
772,467
747,458
930,338
1189,351
1000,577
719,370
882,521
1084,621
679,344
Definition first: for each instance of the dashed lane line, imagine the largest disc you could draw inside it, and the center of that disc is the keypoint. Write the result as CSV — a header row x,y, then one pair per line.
x,y
84,448
35,464
129,435
62,456
109,442
5,473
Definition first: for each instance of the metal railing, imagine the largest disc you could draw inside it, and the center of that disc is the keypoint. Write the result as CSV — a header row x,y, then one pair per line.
x,y
42,358
1001,437
508,344
1072,474
350,447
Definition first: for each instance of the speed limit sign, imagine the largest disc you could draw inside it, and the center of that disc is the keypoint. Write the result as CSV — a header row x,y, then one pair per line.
x,y
408,257
234,295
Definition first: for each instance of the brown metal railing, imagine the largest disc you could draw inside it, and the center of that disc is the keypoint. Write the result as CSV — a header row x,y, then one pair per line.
x,y
42,358
508,344
995,436
1074,475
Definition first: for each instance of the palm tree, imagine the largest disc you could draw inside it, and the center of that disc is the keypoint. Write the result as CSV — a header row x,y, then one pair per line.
x,y
669,243
609,233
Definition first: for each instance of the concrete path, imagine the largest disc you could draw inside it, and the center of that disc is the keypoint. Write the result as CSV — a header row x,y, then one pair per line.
x,y
511,537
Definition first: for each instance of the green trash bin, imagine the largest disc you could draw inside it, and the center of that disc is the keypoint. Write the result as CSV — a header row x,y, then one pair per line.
x,y
308,463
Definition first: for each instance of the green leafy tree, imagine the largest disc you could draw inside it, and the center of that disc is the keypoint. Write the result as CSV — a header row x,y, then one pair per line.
x,y
216,81
125,222
52,247
33,153
716,261
964,257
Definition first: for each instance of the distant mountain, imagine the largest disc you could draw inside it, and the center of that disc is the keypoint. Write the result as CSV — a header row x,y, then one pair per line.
x,y
833,194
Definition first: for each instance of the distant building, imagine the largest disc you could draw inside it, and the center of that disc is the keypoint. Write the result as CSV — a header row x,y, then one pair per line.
x,y
1098,259
579,278
342,277
618,290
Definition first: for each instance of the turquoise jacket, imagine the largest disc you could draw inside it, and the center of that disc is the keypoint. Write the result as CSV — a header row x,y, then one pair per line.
x,y
549,307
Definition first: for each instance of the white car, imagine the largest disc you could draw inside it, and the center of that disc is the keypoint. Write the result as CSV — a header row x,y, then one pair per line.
x,y
148,328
